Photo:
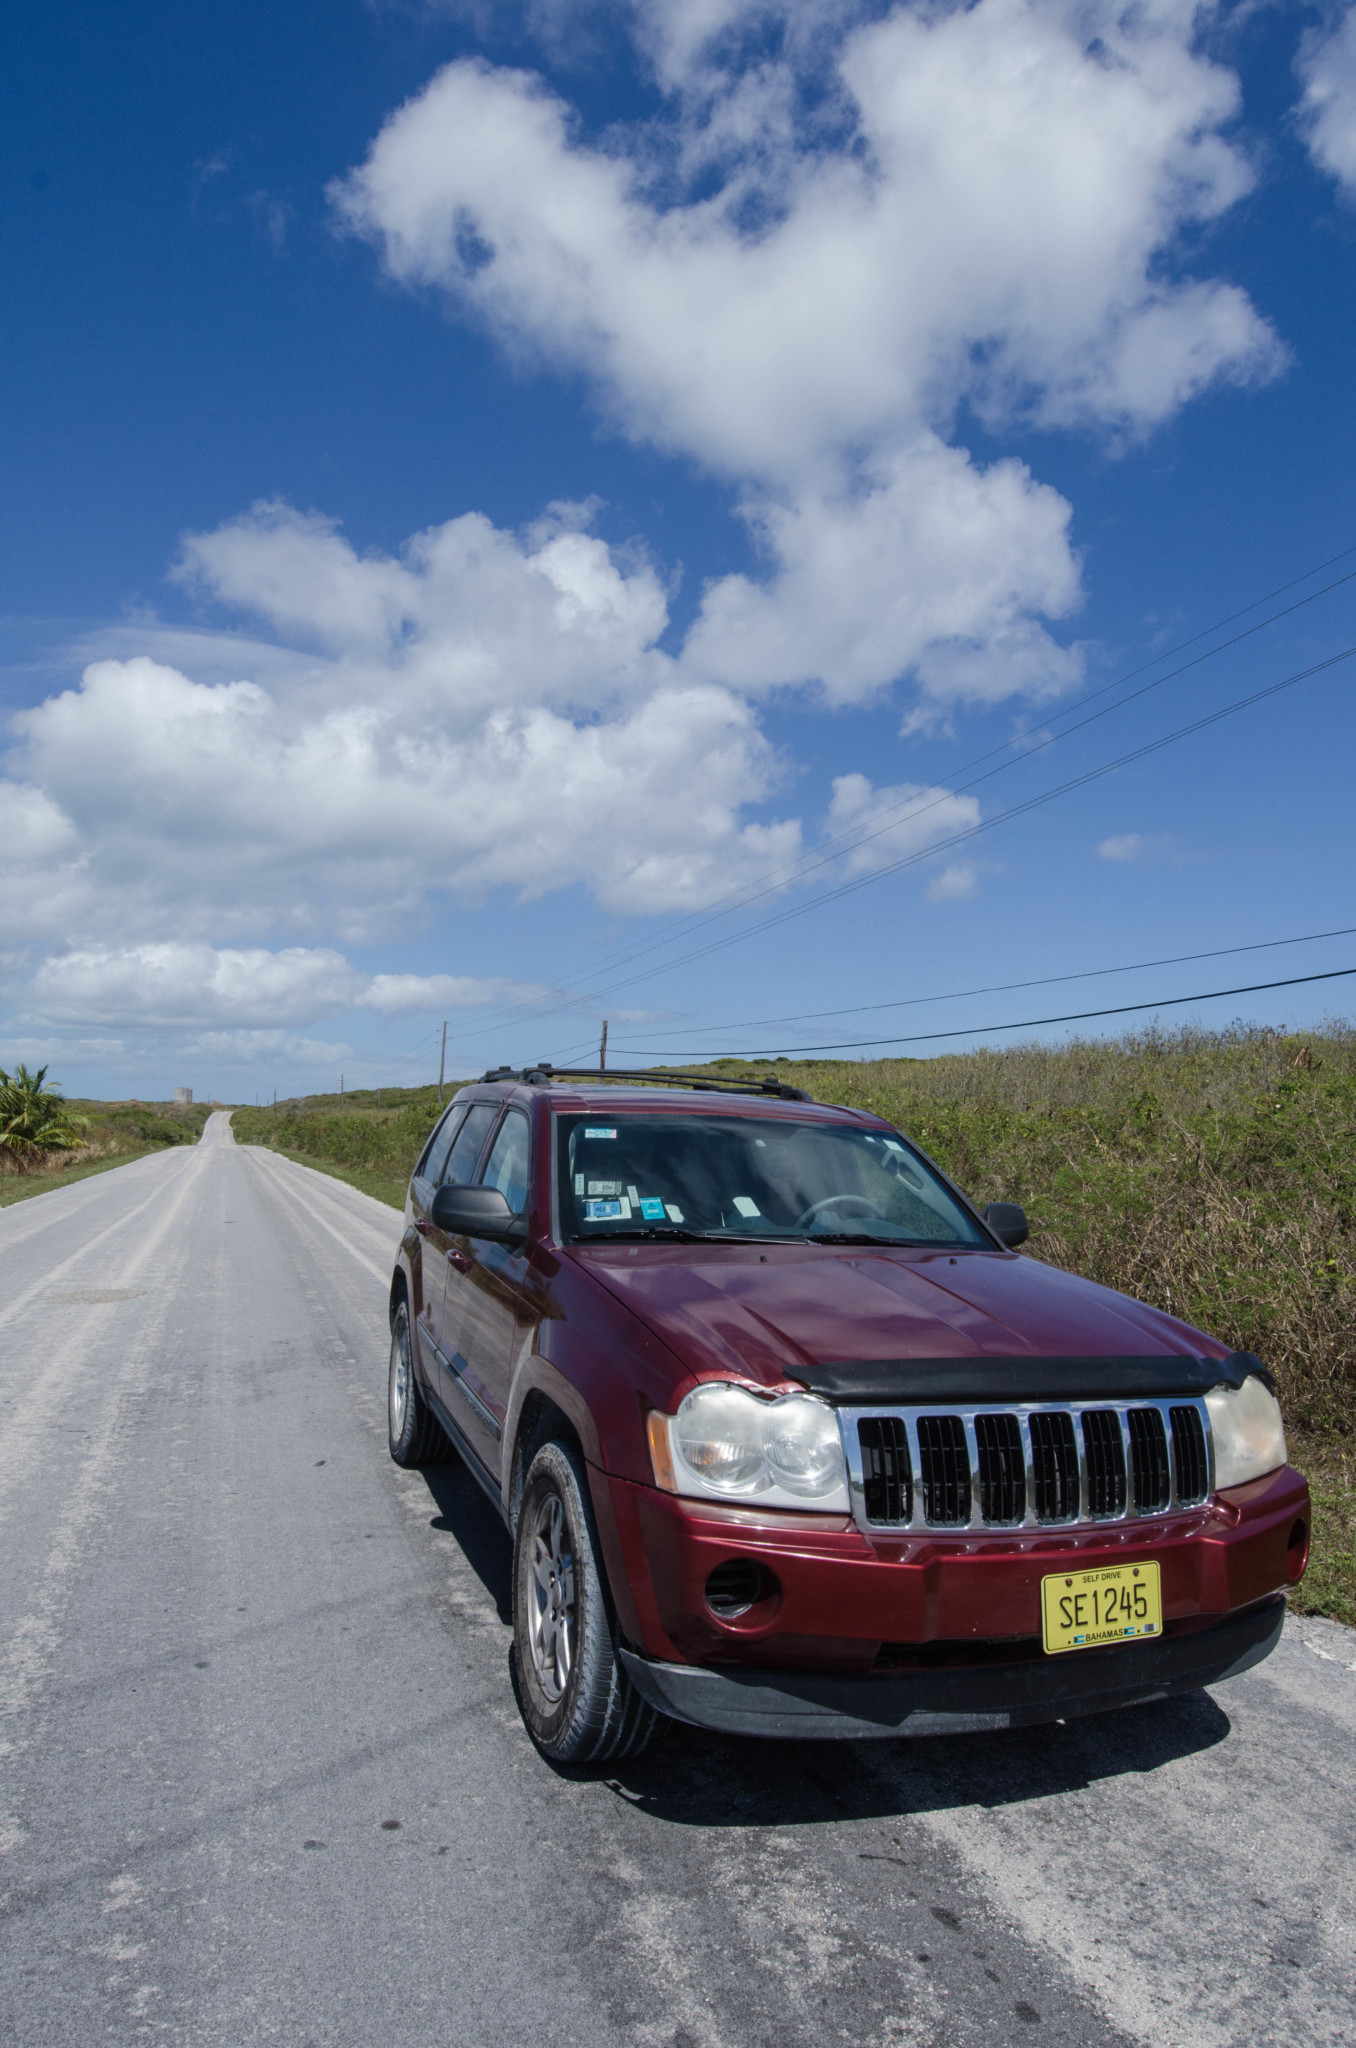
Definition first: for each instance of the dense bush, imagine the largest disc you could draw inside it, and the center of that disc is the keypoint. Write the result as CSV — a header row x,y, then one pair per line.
x,y
113,1130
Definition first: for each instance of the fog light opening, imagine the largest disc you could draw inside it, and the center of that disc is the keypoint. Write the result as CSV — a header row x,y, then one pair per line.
x,y
736,1586
1297,1550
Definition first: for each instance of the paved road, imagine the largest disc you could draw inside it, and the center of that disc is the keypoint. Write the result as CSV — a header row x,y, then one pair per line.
x,y
262,1778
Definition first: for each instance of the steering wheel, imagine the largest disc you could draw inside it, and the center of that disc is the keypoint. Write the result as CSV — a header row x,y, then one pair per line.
x,y
838,1206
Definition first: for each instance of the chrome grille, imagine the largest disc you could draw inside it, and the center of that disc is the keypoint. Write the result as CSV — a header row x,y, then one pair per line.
x,y
1055,1462
887,1486
1150,1472
1002,1468
1104,1462
1029,1465
1190,1461
944,1470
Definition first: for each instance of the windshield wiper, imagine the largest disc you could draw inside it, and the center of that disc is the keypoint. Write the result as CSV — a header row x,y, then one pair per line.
x,y
656,1230
862,1237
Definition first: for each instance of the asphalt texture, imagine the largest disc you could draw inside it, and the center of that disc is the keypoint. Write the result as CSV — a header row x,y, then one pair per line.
x,y
262,1777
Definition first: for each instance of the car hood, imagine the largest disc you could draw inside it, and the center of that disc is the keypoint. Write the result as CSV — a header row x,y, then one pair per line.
x,y
760,1312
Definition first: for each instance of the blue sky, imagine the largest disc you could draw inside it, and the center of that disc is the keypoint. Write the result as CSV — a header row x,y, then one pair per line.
x,y
487,490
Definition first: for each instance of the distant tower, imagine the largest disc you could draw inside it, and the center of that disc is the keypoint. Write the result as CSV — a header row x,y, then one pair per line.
x,y
182,1095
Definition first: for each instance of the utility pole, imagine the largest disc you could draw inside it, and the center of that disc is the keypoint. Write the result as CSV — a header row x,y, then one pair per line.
x,y
378,1098
442,1064
341,1087
602,1050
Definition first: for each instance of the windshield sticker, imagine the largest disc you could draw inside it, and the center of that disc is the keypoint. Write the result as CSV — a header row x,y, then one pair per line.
x,y
591,1131
605,1212
579,1183
652,1209
747,1206
675,1213
605,1187
632,1193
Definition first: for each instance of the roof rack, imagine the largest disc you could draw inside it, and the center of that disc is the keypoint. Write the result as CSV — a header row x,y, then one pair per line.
x,y
540,1075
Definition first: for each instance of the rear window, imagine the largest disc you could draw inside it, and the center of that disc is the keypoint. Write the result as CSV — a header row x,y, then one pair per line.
x,y
735,1177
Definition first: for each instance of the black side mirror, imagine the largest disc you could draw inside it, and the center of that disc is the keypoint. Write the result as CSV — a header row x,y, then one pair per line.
x,y
477,1212
1007,1221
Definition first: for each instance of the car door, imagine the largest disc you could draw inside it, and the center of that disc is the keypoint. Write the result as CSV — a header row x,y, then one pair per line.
x,y
496,1278
450,1310
432,1259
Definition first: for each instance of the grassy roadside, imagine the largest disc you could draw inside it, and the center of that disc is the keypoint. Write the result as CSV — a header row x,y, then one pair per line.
x,y
16,1188
372,1147
116,1134
383,1187
1212,1174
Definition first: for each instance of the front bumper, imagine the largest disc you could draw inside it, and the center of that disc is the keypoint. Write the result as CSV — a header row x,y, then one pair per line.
x,y
842,1604
957,1700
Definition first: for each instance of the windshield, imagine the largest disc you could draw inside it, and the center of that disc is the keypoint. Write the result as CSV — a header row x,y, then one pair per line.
x,y
681,1176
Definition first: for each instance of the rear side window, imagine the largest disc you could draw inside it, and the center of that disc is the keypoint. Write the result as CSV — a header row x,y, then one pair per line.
x,y
461,1160
507,1166
435,1159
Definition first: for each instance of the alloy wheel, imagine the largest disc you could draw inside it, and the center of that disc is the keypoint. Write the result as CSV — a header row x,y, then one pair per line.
x,y
400,1384
552,1619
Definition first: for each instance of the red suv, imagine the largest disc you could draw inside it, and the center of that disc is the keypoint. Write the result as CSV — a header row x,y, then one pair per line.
x,y
792,1442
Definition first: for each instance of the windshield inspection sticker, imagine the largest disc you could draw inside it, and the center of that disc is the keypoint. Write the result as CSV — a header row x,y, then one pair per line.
x,y
652,1209
605,1187
747,1206
591,1132
605,1212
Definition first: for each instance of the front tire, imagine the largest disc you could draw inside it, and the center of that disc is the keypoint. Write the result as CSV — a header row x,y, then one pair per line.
x,y
577,1701
415,1436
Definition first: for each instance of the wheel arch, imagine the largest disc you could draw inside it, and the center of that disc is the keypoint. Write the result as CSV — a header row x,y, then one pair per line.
x,y
537,1417
400,1291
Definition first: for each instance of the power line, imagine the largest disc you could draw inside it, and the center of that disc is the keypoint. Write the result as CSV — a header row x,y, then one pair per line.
x,y
777,878
1032,1023
1006,987
987,824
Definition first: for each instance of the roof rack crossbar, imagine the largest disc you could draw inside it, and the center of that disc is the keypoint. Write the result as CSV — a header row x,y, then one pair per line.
x,y
543,1072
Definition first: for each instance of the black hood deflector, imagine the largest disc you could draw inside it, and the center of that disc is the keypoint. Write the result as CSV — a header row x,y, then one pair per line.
x,y
913,1380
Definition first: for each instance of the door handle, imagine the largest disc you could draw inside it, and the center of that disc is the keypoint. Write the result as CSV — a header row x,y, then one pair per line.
x,y
459,1260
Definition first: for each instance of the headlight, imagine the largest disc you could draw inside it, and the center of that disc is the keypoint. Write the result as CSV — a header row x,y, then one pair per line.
x,y
725,1444
1246,1426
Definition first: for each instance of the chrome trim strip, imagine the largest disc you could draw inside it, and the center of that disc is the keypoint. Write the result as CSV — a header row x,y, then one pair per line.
x,y
481,1412
917,1524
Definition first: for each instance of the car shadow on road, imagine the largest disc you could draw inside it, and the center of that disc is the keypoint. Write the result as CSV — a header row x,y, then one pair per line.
x,y
696,1779
465,1514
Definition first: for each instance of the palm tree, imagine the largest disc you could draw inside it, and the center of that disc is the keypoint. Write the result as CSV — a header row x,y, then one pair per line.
x,y
34,1118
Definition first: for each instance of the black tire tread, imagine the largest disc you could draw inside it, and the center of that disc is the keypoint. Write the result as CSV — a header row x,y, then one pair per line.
x,y
427,1442
612,1719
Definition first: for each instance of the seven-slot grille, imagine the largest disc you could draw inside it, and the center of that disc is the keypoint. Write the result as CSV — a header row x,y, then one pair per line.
x,y
1029,1466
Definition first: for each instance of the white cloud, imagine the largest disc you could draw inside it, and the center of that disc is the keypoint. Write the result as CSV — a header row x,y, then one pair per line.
x,y
1327,66
1125,846
889,825
954,884
286,1049
397,995
979,205
487,711
174,985
930,564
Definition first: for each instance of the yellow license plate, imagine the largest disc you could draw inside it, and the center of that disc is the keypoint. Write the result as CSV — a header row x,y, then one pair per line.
x,y
1118,1603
